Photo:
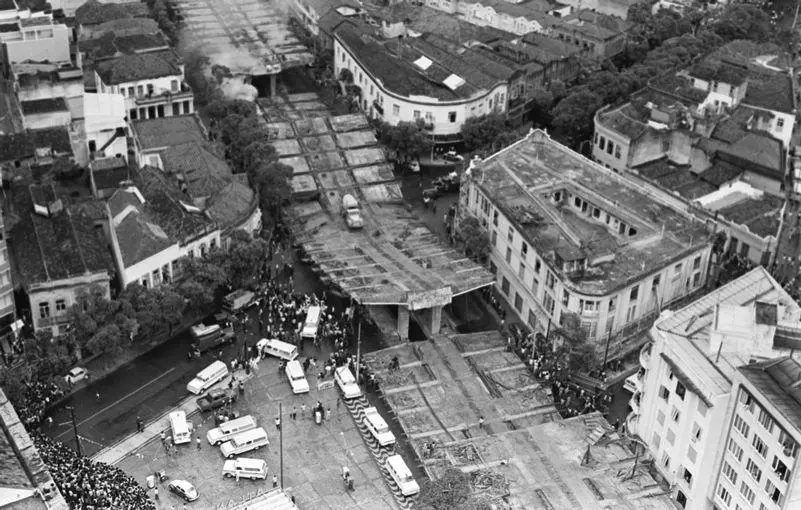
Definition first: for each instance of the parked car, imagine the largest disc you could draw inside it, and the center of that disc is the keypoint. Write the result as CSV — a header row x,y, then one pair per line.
x,y
215,399
76,375
351,212
184,489
453,156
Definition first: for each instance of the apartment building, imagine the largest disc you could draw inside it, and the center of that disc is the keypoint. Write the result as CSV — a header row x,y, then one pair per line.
x,y
514,17
8,309
422,79
571,239
27,36
604,36
705,406
152,84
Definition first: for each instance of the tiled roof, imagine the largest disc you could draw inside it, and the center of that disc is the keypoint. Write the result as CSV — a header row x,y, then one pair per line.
x,y
771,91
738,145
427,20
157,134
233,204
47,105
109,176
676,178
203,172
778,382
135,67
722,72
761,215
591,24
94,12
23,145
52,248
109,45
124,27
531,10
138,238
720,173
623,120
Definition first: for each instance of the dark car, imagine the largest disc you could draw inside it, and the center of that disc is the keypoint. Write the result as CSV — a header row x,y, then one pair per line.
x,y
215,399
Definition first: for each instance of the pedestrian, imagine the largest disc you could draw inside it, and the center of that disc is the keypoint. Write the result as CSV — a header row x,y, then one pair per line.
x,y
275,481
237,476
97,396
328,413
139,424
197,440
156,493
303,410
294,412
163,437
278,423
50,421
481,422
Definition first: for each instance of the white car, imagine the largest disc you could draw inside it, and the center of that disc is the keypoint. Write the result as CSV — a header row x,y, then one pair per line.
x,y
453,156
184,489
77,374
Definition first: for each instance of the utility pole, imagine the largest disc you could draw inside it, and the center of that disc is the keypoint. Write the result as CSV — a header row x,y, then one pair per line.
x,y
281,442
75,431
358,350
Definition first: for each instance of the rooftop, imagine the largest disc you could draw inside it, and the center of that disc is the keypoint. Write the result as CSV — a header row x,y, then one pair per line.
x,y
546,49
535,10
203,172
55,245
94,12
139,237
719,71
778,380
743,205
23,145
110,45
233,204
421,67
710,338
122,27
138,66
771,90
426,20
21,469
48,105
109,173
592,24
157,134
537,183
677,178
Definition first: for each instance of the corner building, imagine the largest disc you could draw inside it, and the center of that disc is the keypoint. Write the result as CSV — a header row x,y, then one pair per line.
x,y
717,401
570,238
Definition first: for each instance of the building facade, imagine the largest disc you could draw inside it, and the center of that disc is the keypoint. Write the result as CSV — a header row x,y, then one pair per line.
x,y
688,404
8,310
566,237
28,37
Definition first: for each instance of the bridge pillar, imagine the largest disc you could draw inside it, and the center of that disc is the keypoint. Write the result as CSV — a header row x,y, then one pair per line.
x,y
272,85
435,319
403,322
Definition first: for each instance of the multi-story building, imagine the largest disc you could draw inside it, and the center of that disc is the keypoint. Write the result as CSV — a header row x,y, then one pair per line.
x,y
515,17
31,37
572,241
711,405
617,8
604,36
56,254
420,79
105,127
8,311
152,84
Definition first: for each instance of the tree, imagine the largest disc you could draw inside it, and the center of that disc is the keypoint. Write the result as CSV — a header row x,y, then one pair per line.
x,y
743,21
156,309
475,238
255,153
573,116
408,140
243,256
451,491
272,181
346,76
480,132
100,323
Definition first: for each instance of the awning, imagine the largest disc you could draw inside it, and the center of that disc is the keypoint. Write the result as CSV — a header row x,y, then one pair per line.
x,y
684,379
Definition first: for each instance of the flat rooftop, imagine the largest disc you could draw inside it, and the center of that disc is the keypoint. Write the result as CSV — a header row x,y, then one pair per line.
x,y
250,37
726,329
533,456
395,259
778,380
566,205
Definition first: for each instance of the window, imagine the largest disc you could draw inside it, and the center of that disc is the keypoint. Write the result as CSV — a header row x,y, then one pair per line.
x,y
612,304
510,236
760,446
741,426
724,495
729,473
780,468
140,90
535,286
747,401
174,85
565,297
537,266
675,414
610,147
505,286
550,281
671,437
549,303
697,263
518,302
452,117
656,440
688,476
617,152
753,470
495,218
416,114
660,417
773,493
664,393
790,446
676,270
524,250
634,294
747,493
665,459
766,421
735,450
494,238
150,89
680,390
61,305
395,110
532,319
429,118
44,310
508,255
602,143
779,123
577,202
521,273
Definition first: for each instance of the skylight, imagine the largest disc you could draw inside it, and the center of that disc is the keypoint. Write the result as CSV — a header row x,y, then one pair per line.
x,y
423,63
453,82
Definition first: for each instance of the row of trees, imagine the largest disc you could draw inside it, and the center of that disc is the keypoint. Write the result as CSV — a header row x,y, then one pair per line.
x,y
660,43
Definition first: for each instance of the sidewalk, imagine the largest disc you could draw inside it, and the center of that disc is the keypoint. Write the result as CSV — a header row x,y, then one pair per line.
x,y
132,443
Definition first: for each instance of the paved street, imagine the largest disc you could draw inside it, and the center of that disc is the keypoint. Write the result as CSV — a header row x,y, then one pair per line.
x,y
313,454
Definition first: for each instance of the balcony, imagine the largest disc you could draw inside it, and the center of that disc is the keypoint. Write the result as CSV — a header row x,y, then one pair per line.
x,y
377,107
165,96
645,356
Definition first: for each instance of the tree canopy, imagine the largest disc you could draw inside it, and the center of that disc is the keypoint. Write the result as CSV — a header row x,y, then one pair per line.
x,y
408,140
474,238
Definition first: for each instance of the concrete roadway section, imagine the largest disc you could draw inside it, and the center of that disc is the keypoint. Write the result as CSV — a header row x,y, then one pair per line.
x,y
313,454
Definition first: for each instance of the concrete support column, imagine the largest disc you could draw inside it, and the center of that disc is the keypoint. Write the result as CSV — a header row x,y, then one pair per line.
x,y
436,319
403,322
272,85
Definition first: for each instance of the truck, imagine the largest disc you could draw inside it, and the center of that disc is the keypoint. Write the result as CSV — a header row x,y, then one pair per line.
x,y
215,399
352,213
210,336
238,300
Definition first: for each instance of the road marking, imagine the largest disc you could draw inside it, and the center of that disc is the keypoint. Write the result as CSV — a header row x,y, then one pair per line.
x,y
168,372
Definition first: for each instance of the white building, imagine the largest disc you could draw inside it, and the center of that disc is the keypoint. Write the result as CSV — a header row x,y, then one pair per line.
x,y
46,113
515,17
419,81
32,37
687,400
573,240
105,126
151,83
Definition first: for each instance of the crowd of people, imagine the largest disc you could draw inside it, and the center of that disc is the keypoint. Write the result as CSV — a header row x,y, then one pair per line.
x,y
38,396
90,485
538,354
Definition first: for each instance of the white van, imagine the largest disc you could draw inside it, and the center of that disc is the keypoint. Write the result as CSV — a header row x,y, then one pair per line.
x,y
244,442
229,429
278,349
297,379
378,427
403,477
246,468
312,322
208,377
347,383
181,433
